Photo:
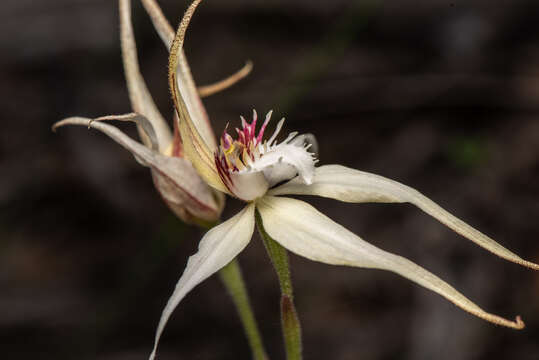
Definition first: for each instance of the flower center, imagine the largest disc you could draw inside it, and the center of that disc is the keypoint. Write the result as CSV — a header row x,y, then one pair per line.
x,y
249,165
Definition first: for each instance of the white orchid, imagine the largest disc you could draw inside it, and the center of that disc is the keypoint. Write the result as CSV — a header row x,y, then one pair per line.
x,y
260,172
178,182
193,173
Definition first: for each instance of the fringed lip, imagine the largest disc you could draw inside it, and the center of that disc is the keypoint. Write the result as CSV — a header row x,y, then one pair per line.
x,y
248,166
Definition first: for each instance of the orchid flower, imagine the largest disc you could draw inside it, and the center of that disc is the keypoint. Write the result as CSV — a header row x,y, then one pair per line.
x,y
179,184
181,187
262,171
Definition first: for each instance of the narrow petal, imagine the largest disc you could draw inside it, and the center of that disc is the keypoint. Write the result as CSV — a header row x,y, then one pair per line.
x,y
349,185
197,136
141,100
303,230
221,85
185,81
162,26
166,33
180,183
217,248
142,123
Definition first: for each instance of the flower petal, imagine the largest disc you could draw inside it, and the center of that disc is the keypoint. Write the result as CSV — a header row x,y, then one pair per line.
x,y
217,248
208,90
349,185
248,185
166,33
197,136
177,180
160,23
303,230
142,123
285,160
181,80
141,100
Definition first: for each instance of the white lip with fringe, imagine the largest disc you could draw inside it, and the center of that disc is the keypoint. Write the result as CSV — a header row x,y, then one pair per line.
x,y
248,166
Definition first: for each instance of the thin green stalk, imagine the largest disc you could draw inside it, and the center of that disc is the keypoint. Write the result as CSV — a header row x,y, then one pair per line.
x,y
232,278
289,317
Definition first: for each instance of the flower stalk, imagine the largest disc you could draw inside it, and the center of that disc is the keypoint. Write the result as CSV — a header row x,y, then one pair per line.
x,y
289,316
232,279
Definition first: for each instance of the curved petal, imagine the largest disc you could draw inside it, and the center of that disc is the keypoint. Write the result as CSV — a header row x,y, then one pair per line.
x,y
140,97
349,185
340,183
197,136
217,248
248,185
180,183
187,88
208,90
160,23
303,230
166,33
142,123
286,160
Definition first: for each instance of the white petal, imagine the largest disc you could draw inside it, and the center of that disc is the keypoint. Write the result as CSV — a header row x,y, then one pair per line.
x,y
141,99
340,183
217,248
285,161
349,185
248,185
303,230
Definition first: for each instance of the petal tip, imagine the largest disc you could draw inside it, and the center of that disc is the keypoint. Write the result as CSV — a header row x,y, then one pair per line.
x,y
64,122
519,324
531,265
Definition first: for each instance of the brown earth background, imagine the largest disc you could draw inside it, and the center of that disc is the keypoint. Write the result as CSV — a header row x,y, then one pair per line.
x,y
440,95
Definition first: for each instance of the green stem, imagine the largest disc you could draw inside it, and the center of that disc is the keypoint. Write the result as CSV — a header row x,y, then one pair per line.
x,y
232,278
289,317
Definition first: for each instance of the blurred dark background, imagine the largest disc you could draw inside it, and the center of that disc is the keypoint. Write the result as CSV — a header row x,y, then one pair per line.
x,y
440,95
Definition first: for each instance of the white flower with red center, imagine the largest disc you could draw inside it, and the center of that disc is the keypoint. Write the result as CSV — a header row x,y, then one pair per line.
x,y
260,172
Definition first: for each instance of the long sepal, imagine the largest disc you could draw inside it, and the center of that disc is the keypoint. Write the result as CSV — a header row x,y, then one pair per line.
x,y
179,183
139,95
197,136
289,316
350,185
166,33
208,90
217,248
160,22
303,230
